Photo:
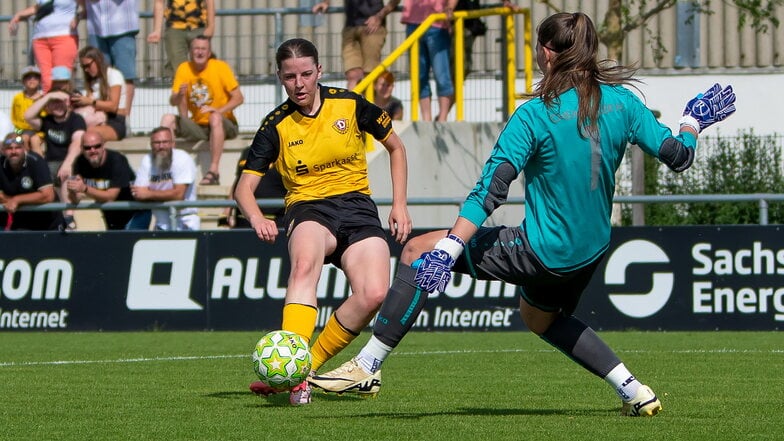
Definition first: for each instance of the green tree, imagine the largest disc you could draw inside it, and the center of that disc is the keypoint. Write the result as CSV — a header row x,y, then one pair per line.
x,y
743,164
625,16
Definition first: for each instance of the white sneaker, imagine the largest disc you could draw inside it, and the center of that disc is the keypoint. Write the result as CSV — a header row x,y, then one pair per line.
x,y
349,378
645,403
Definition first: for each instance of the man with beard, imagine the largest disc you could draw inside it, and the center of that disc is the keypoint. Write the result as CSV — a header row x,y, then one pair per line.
x,y
25,180
167,174
105,175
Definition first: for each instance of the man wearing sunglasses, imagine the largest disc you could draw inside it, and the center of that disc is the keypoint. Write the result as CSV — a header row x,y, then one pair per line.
x,y
25,180
105,175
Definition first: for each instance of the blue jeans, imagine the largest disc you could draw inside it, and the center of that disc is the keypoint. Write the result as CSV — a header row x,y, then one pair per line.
x,y
434,53
118,51
140,221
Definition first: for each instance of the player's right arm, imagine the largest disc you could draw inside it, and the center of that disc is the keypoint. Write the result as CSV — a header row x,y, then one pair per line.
x,y
244,194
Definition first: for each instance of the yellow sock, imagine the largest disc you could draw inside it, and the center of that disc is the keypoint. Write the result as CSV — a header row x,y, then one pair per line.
x,y
299,319
332,340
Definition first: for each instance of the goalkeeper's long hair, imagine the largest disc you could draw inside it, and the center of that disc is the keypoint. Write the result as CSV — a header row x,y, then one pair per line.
x,y
575,64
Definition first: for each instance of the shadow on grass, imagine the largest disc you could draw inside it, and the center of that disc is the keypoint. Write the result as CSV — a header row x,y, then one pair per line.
x,y
476,411
282,399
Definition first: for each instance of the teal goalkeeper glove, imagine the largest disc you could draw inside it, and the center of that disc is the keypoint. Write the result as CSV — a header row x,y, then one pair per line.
x,y
715,105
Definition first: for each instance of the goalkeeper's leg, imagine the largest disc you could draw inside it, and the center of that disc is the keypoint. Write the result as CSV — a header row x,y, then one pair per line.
x,y
398,313
580,343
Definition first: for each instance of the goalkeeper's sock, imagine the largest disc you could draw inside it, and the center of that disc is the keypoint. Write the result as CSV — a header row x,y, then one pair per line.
x,y
624,382
400,309
330,341
373,354
299,319
580,343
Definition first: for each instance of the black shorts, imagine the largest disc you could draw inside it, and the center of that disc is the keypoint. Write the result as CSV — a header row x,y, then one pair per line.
x,y
350,217
503,253
117,123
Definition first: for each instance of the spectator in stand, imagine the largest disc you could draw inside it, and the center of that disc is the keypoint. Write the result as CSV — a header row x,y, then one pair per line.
x,y
55,39
62,80
167,174
25,180
105,175
31,82
433,54
185,20
102,103
363,35
112,27
62,129
205,93
473,28
383,98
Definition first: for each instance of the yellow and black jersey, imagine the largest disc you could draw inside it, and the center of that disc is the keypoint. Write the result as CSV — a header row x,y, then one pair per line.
x,y
321,155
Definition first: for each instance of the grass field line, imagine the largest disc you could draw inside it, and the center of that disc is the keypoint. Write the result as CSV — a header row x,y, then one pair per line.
x,y
8,364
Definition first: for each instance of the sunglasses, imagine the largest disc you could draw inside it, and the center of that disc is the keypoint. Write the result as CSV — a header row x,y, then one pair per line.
x,y
87,148
15,140
86,65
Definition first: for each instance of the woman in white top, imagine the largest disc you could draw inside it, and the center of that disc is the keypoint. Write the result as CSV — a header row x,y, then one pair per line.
x,y
55,39
103,102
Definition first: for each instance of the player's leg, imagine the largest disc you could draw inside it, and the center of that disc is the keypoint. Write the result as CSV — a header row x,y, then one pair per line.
x,y
309,242
366,264
556,325
399,310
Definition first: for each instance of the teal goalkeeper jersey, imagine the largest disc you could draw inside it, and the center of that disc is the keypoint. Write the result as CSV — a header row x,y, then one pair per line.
x,y
569,179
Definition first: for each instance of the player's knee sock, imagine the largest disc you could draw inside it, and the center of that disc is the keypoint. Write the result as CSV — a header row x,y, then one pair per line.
x,y
398,313
299,319
580,343
330,341
625,384
400,309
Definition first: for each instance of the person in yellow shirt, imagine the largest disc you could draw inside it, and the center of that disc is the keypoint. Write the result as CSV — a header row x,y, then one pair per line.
x,y
205,93
31,81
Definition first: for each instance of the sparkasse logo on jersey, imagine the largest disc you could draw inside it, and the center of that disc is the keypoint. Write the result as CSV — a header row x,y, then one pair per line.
x,y
638,304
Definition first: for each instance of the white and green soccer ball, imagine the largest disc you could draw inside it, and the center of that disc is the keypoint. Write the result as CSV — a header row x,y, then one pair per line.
x,y
281,359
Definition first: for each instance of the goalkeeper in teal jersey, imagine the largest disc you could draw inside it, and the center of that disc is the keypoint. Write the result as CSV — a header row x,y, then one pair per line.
x,y
568,141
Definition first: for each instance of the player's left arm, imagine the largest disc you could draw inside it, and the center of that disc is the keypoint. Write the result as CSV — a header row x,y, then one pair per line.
x,y
400,223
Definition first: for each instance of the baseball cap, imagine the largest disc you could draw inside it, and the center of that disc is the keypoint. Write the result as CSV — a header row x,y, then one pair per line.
x,y
61,73
27,70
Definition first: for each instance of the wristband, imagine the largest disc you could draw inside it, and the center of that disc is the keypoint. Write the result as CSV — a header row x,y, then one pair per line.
x,y
452,244
690,121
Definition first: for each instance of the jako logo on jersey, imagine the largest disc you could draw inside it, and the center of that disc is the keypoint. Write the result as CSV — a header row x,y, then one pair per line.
x,y
155,259
638,305
296,142
301,169
341,126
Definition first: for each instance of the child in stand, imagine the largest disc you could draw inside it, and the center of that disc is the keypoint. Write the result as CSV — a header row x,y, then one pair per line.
x,y
31,82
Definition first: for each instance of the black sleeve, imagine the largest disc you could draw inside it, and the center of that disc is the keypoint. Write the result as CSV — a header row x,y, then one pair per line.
x,y
373,119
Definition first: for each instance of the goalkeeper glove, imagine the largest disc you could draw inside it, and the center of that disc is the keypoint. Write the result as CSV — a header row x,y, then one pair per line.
x,y
434,268
715,105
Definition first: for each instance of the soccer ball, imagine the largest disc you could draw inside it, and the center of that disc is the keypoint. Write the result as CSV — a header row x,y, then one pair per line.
x,y
281,359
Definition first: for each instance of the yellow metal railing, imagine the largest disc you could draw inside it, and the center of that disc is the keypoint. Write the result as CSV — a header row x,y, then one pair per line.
x,y
509,42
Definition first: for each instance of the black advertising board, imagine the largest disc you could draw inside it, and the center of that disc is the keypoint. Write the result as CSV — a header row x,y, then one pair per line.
x,y
669,278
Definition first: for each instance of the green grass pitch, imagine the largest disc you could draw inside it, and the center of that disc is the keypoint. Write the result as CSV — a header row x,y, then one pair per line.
x,y
436,386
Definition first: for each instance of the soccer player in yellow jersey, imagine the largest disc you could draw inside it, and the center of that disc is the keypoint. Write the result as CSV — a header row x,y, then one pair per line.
x,y
316,141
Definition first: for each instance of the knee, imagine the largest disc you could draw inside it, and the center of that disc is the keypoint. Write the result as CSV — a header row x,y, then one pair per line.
x,y
168,120
216,120
414,249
